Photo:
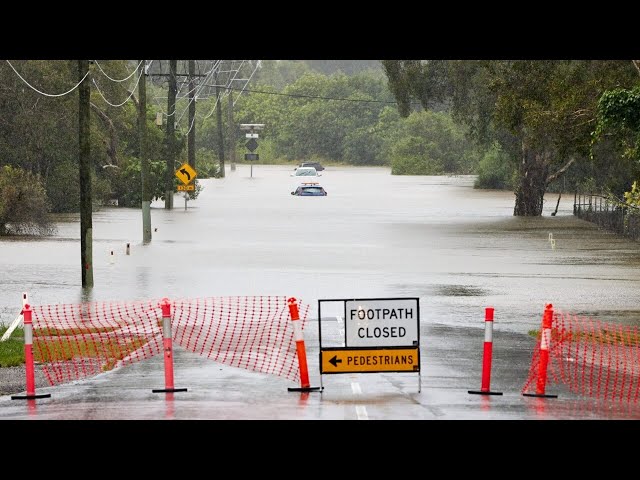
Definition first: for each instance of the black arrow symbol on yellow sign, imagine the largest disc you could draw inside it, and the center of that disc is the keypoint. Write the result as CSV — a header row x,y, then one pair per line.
x,y
334,361
184,172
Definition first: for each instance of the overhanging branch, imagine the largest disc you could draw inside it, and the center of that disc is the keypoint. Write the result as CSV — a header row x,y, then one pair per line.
x,y
559,173
113,135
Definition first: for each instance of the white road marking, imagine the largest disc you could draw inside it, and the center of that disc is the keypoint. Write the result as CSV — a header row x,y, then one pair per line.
x,y
361,410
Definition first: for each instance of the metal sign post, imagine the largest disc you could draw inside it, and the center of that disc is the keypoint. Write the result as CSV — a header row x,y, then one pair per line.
x,y
252,144
187,175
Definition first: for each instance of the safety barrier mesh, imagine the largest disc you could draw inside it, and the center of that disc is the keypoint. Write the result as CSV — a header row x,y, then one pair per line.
x,y
591,358
75,341
254,333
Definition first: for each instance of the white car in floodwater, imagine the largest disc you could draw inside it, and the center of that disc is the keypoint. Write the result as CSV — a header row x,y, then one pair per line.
x,y
306,174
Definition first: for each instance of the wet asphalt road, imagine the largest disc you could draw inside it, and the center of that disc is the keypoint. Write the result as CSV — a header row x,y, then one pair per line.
x,y
457,249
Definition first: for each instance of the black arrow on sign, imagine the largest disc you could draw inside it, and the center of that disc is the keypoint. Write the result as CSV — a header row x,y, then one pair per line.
x,y
334,361
184,172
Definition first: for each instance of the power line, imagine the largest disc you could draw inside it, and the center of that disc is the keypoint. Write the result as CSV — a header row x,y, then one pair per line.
x,y
114,79
258,63
44,93
130,93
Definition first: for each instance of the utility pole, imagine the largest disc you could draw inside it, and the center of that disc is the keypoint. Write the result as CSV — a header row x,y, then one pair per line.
x,y
191,137
171,134
232,132
219,121
144,162
86,222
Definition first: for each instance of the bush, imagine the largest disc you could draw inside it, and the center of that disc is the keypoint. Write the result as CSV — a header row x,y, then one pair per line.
x,y
24,205
126,183
495,170
207,164
429,143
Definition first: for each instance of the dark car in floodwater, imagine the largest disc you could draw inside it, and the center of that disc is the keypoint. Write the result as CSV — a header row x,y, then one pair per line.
x,y
315,165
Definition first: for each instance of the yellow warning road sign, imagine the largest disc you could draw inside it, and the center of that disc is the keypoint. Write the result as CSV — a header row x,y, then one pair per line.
x,y
186,174
361,360
186,187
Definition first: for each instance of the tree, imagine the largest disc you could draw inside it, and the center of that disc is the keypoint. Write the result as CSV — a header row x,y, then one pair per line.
x,y
618,120
39,133
547,106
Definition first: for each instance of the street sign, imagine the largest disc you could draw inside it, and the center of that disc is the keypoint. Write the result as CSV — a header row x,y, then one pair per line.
x,y
252,144
369,360
251,157
190,187
381,322
251,135
186,174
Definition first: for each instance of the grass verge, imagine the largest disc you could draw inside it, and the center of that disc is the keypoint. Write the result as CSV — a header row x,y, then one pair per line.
x,y
66,344
12,349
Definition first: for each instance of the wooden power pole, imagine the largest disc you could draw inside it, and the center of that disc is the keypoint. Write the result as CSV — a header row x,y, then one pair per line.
x,y
219,122
232,132
86,221
171,135
191,136
144,162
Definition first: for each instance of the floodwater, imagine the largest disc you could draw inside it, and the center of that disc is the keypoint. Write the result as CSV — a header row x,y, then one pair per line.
x,y
375,235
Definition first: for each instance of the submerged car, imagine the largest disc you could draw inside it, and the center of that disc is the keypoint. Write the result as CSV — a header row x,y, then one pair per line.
x,y
310,190
305,173
315,165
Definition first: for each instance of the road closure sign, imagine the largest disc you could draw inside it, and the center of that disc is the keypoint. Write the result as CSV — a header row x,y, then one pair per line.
x,y
382,322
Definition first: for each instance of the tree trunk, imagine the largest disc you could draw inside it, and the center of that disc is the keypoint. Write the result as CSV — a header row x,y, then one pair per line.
x,y
170,136
533,174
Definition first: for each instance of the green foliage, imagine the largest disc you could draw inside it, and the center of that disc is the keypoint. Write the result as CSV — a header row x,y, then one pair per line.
x,y
429,143
495,170
549,106
348,67
63,187
279,73
362,147
24,206
127,190
632,197
207,164
618,114
40,134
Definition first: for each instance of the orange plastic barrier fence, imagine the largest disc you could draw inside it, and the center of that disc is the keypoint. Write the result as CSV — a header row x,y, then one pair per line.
x,y
75,341
591,358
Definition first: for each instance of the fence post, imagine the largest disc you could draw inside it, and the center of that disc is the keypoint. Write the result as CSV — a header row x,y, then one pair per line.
x,y
300,349
545,342
168,350
486,355
28,357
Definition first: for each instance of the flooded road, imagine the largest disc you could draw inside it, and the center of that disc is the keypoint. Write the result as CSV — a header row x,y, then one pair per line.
x,y
457,249
375,235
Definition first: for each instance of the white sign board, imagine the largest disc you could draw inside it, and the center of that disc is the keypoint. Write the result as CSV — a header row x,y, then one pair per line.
x,y
381,322
251,135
